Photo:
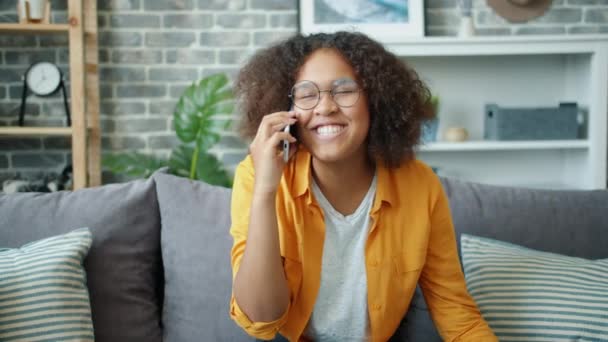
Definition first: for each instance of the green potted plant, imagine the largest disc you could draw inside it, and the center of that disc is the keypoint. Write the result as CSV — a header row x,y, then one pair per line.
x,y
197,127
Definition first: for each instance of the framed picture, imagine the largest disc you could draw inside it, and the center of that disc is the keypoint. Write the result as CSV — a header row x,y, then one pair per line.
x,y
388,21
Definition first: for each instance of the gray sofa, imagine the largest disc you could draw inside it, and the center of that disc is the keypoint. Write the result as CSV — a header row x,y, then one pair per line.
x,y
159,266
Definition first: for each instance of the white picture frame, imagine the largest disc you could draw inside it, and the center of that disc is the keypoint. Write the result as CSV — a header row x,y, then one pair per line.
x,y
378,19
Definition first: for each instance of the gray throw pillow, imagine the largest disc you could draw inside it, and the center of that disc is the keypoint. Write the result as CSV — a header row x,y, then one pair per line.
x,y
196,244
123,266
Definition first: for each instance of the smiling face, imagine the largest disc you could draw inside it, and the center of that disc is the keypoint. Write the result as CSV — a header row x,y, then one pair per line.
x,y
330,132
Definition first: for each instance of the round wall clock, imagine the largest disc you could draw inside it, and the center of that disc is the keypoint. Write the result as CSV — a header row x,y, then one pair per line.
x,y
43,79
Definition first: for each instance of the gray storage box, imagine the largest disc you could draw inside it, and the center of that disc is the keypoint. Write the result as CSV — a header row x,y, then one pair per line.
x,y
552,123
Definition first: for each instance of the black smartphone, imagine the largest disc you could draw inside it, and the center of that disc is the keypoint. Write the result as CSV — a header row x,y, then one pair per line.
x,y
290,130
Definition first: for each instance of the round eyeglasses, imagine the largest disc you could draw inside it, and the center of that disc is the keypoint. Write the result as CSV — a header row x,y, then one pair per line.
x,y
307,95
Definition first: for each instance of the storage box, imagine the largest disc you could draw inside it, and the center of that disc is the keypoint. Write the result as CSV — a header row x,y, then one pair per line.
x,y
550,123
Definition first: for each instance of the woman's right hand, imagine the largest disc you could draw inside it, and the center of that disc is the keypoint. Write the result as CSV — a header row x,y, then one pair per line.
x,y
266,152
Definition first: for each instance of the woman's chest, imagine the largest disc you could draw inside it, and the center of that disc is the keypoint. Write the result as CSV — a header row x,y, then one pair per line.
x,y
391,234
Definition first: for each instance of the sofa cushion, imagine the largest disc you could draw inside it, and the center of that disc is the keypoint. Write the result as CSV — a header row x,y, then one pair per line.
x,y
570,222
43,291
526,294
124,268
196,255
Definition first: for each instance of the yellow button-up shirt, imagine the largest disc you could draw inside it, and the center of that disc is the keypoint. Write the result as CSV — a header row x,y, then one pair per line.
x,y
411,240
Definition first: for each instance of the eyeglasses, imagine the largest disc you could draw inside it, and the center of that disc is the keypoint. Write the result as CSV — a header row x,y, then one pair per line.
x,y
307,95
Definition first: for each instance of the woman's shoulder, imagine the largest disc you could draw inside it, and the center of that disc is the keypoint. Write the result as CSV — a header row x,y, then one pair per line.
x,y
246,162
417,170
414,176
245,166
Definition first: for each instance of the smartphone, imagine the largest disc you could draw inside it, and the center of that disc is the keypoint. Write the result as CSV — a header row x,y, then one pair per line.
x,y
286,144
289,130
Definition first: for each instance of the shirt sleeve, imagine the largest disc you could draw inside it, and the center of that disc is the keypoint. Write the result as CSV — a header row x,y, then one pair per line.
x,y
242,193
442,282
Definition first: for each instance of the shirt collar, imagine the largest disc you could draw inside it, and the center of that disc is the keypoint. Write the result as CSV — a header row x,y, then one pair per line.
x,y
385,189
302,172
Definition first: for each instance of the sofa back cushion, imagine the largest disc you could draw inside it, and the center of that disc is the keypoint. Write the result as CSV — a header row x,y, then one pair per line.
x,y
123,266
569,222
196,255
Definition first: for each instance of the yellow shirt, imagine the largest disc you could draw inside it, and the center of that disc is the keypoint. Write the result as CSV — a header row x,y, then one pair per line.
x,y
411,240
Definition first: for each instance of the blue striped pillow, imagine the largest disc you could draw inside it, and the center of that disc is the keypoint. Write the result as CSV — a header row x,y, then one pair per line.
x,y
43,293
527,295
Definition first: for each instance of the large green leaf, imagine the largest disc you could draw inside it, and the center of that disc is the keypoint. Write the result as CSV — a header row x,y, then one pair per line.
x,y
132,164
201,114
211,170
208,168
180,160
194,113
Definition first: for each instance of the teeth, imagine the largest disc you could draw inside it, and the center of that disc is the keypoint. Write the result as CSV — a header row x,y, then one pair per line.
x,y
329,129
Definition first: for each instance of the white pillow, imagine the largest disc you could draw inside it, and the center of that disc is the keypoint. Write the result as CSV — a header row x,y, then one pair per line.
x,y
43,292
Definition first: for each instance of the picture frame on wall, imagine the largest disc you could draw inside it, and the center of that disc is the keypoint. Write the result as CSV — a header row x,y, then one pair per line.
x,y
388,21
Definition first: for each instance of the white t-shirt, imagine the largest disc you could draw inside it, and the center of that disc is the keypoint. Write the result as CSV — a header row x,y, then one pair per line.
x,y
340,312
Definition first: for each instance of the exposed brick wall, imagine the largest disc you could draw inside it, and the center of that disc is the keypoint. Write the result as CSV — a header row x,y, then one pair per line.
x,y
150,50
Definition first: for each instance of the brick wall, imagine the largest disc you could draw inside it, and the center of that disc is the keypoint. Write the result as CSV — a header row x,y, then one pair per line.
x,y
150,50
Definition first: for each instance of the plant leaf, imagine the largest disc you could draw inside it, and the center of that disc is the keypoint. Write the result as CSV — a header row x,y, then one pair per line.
x,y
180,160
132,164
210,86
194,112
201,114
209,168
211,171
186,123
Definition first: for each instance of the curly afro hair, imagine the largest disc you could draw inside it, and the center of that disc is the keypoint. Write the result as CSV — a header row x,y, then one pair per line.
x,y
398,100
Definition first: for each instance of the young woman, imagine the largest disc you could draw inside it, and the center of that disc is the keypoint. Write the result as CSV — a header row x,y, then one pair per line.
x,y
329,246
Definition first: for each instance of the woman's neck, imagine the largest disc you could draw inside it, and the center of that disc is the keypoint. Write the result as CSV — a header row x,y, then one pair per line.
x,y
344,183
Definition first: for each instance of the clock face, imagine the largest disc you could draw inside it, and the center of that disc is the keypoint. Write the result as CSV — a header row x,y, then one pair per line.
x,y
43,78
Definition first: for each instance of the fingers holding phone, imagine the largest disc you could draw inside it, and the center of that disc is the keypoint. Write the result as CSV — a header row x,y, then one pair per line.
x,y
286,144
272,146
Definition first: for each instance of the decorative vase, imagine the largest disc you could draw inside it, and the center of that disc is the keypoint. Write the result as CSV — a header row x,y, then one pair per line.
x,y
34,11
456,134
467,19
467,26
429,130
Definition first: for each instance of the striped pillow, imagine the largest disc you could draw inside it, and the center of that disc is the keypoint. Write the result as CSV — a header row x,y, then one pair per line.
x,y
527,295
43,293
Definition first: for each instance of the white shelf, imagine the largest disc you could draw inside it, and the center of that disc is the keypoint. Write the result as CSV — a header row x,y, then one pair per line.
x,y
515,71
543,38
502,45
505,145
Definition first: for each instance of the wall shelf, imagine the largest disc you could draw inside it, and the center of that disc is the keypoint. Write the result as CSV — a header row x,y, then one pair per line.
x,y
482,145
85,132
516,71
503,45
34,28
36,131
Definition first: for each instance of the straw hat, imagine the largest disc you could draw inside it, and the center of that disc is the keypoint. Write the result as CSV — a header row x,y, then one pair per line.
x,y
519,10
